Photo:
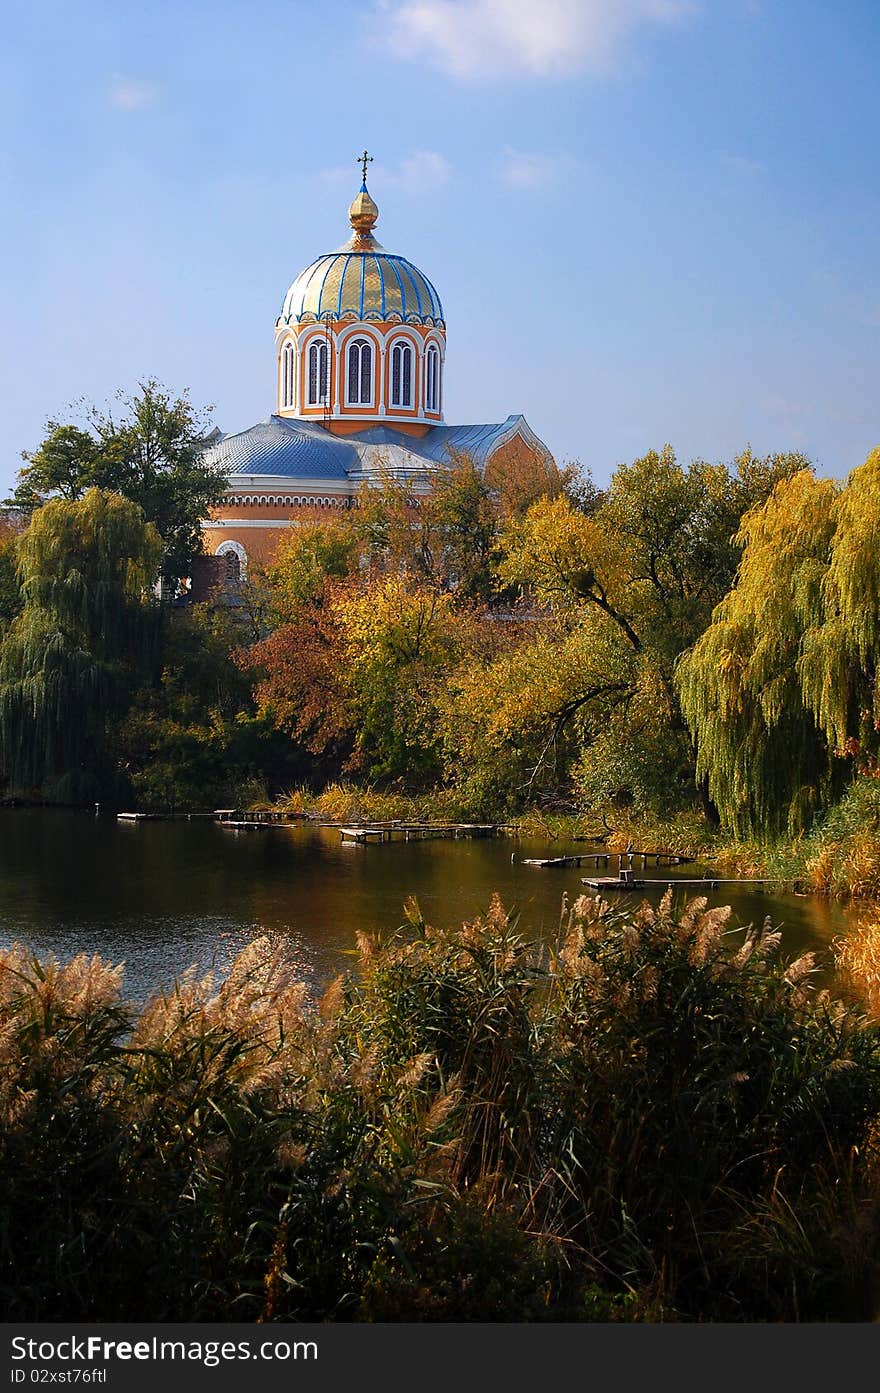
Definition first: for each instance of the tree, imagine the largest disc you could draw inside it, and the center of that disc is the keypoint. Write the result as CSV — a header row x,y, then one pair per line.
x,y
64,466
398,638
461,512
300,682
768,767
649,563
307,558
513,709
85,635
841,655
517,479
192,738
10,590
152,454
781,690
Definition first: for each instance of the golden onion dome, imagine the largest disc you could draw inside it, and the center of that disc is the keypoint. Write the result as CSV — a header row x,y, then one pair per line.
x,y
362,281
363,213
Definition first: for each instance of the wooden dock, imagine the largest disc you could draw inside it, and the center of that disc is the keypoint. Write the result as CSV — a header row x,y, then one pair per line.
x,y
604,858
379,832
227,817
627,882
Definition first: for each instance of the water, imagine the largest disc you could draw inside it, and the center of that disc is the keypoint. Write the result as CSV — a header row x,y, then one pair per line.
x,y
162,896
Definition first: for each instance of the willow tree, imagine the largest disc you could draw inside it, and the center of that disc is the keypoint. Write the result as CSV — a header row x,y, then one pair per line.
x,y
86,632
841,656
768,765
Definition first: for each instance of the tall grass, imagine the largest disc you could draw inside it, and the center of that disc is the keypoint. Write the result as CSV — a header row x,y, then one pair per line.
x,y
348,802
655,1120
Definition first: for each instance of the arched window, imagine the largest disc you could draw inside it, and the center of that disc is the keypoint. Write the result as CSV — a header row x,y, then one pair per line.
x,y
359,378
432,378
236,552
401,374
318,375
288,360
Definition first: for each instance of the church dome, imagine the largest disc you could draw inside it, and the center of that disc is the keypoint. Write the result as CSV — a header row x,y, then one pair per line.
x,y
362,281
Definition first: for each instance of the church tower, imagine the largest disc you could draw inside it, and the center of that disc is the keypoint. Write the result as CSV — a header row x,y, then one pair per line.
x,y
361,337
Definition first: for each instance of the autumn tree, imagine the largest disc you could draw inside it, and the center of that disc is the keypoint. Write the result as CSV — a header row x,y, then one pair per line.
x,y
398,638
767,765
463,527
310,556
647,566
517,479
10,589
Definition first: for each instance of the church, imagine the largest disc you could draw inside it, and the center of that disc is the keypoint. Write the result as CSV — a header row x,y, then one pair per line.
x,y
360,353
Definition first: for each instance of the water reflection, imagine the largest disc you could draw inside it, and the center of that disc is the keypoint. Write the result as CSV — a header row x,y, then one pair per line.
x,y
162,896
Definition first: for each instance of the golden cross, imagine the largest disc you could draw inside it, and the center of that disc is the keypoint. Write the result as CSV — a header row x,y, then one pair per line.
x,y
363,160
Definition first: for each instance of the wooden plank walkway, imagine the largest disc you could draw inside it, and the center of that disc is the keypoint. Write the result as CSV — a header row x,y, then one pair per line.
x,y
227,817
604,858
415,831
612,882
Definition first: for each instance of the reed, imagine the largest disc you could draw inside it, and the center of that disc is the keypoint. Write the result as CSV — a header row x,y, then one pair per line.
x,y
654,1120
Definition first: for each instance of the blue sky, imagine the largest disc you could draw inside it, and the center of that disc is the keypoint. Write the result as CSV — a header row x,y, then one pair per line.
x,y
648,220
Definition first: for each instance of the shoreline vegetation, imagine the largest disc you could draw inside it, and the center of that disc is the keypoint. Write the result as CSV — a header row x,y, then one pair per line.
x,y
684,660
655,1120
839,858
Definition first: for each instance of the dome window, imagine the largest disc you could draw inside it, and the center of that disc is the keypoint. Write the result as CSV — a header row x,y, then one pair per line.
x,y
359,378
401,375
318,375
287,379
432,378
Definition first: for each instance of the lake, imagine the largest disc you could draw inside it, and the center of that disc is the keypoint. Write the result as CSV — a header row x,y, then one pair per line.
x,y
161,896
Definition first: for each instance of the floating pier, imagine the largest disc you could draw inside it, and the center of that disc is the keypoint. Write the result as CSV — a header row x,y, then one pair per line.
x,y
604,858
626,881
379,832
228,817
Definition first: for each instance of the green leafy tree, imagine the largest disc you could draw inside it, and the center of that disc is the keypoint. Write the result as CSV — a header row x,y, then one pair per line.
x,y
152,454
85,634
463,516
65,466
192,738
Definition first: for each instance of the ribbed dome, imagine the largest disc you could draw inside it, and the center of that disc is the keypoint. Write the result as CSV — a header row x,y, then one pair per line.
x,y
367,284
362,279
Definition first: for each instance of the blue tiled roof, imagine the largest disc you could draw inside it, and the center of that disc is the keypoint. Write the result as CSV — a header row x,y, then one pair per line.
x,y
282,448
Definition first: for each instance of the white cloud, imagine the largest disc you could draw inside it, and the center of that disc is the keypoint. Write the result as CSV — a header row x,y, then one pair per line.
x,y
417,173
128,94
531,169
498,38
